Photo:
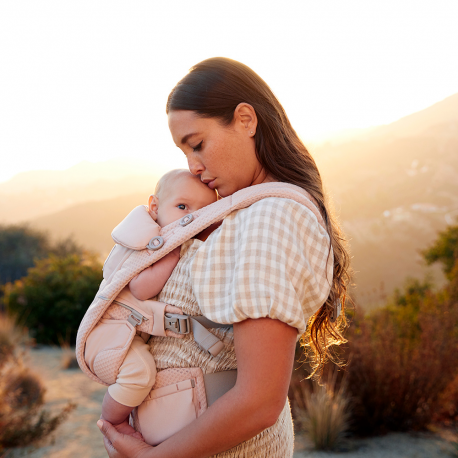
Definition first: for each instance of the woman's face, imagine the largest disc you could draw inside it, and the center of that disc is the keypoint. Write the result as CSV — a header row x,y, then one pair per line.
x,y
223,156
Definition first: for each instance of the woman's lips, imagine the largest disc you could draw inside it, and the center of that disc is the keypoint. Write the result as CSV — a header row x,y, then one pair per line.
x,y
211,184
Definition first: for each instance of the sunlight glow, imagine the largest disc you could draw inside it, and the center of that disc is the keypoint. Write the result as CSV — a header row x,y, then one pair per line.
x,y
85,80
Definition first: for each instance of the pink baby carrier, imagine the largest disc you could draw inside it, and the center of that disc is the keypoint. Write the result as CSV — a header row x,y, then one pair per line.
x,y
140,242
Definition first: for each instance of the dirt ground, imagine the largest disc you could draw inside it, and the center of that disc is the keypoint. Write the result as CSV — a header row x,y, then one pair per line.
x,y
79,436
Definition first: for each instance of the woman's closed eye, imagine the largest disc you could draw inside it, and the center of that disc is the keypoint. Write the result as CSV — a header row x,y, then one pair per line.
x,y
198,147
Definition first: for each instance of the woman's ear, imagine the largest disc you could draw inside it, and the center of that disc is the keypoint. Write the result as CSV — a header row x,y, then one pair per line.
x,y
245,118
153,206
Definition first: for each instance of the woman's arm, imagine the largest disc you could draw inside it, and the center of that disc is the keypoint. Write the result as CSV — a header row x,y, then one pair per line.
x,y
265,355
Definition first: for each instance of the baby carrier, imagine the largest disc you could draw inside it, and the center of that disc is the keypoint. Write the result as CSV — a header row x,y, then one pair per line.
x,y
140,242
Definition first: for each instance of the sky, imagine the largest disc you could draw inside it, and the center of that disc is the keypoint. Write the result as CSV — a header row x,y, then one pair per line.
x,y
88,80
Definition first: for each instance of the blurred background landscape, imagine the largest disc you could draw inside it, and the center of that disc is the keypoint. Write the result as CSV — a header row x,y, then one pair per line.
x,y
393,188
370,87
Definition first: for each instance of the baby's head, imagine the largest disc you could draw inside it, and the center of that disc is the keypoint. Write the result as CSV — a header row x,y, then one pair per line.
x,y
178,193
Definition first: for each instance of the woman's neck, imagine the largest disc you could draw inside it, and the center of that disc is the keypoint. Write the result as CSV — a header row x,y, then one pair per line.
x,y
263,177
206,232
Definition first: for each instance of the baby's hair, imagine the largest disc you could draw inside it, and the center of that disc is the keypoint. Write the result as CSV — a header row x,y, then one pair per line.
x,y
164,180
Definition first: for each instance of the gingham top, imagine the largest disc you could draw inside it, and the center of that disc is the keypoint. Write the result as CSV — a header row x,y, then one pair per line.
x,y
272,260
268,260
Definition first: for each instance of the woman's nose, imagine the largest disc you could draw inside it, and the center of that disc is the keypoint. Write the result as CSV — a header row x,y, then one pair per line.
x,y
195,166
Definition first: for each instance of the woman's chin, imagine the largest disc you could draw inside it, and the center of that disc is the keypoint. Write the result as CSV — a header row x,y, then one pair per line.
x,y
223,192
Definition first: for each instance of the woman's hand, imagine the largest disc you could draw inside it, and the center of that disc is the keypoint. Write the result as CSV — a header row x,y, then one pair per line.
x,y
122,441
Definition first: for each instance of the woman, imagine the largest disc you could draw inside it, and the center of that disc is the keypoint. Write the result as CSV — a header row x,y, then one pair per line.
x,y
268,268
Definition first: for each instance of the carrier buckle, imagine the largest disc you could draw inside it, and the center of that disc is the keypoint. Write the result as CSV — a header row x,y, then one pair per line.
x,y
177,323
135,318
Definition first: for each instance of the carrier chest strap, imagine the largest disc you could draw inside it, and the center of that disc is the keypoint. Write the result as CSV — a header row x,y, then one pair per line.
x,y
184,324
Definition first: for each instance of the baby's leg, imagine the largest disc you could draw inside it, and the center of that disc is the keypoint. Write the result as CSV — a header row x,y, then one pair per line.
x,y
135,379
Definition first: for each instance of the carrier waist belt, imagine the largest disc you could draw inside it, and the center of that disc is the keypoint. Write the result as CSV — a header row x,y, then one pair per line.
x,y
219,383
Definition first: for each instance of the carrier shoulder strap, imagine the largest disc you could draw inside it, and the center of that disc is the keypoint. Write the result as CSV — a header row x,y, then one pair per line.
x,y
174,235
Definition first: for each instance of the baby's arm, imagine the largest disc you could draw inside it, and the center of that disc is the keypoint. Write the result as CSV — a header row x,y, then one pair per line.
x,y
149,282
113,411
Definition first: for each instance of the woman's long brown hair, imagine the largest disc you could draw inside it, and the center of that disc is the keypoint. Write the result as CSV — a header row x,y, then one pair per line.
x,y
213,88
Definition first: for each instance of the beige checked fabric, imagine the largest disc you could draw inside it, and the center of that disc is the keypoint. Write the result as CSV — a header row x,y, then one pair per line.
x,y
272,259
185,352
274,442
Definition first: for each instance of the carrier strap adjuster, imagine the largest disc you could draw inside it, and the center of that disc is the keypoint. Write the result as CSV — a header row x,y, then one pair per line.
x,y
135,318
177,323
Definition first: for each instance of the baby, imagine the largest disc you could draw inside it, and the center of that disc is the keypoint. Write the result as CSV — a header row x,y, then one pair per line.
x,y
177,194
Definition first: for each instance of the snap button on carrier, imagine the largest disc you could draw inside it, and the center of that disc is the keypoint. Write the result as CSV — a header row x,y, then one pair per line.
x,y
155,243
186,220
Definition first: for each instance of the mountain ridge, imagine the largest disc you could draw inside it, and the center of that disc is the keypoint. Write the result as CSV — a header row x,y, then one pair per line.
x,y
393,190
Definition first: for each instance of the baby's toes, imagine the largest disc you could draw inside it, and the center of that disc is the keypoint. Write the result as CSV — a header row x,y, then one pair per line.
x,y
138,436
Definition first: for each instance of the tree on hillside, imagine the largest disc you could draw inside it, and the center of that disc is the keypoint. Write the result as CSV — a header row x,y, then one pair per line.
x,y
20,246
52,299
444,250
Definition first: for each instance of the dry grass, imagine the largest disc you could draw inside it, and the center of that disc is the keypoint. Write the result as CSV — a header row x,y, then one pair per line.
x,y
323,413
68,360
22,418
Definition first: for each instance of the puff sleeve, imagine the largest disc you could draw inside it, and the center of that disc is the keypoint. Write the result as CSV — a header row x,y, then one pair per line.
x,y
272,259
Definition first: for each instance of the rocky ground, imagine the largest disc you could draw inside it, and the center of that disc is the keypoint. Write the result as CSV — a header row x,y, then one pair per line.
x,y
80,437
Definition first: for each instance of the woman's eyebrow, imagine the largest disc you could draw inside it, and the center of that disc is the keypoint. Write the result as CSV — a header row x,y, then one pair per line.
x,y
187,137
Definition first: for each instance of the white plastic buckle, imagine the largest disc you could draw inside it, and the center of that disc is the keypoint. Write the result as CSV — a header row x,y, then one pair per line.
x,y
177,323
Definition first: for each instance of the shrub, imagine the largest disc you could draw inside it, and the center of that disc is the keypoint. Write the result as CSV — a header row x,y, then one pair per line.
x,y
22,418
53,298
21,246
447,405
444,250
401,359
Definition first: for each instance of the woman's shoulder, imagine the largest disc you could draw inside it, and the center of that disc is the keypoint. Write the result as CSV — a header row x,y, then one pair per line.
x,y
277,212
270,259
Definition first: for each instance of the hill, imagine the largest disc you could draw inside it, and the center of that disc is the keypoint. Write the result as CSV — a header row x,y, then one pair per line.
x,y
30,195
393,190
393,187
91,223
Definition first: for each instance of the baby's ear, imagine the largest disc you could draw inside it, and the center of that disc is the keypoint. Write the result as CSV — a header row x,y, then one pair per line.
x,y
153,205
